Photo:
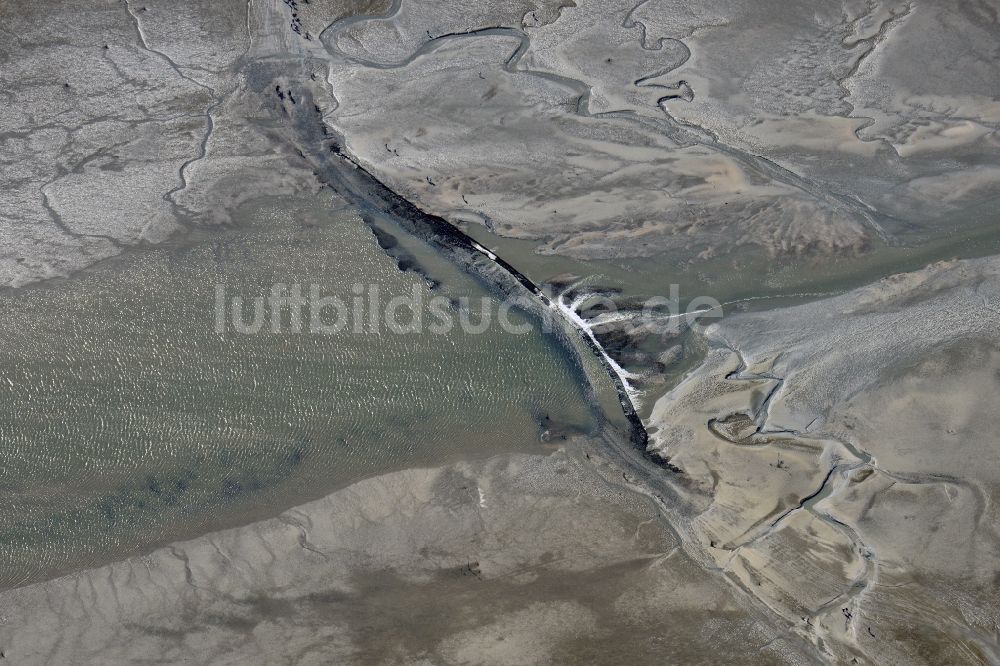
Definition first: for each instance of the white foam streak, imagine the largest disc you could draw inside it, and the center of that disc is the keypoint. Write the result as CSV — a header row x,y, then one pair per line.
x,y
569,311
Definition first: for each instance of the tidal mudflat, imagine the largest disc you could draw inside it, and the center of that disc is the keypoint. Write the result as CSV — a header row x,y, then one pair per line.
x,y
520,559
802,471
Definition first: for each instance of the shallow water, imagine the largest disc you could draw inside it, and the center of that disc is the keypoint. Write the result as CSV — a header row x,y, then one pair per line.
x,y
127,421
747,278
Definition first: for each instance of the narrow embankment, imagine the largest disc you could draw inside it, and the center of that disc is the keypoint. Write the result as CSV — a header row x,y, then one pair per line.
x,y
324,149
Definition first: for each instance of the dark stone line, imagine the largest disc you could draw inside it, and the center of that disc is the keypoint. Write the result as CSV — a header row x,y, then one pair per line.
x,y
348,178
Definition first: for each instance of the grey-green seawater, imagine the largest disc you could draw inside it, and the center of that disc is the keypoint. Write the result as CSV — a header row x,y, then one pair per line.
x,y
127,421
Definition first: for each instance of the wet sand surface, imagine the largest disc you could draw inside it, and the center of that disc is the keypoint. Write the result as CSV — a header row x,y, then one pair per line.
x,y
520,559
834,463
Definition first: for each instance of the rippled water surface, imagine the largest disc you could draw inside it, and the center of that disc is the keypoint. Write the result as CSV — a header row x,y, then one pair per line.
x,y
126,420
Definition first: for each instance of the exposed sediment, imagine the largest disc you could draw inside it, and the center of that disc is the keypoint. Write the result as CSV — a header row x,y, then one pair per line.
x,y
472,562
810,448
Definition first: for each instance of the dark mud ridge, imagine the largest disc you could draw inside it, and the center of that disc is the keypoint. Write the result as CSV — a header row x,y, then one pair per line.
x,y
338,170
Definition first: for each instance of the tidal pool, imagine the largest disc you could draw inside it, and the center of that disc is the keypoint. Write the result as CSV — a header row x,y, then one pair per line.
x,y
127,420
